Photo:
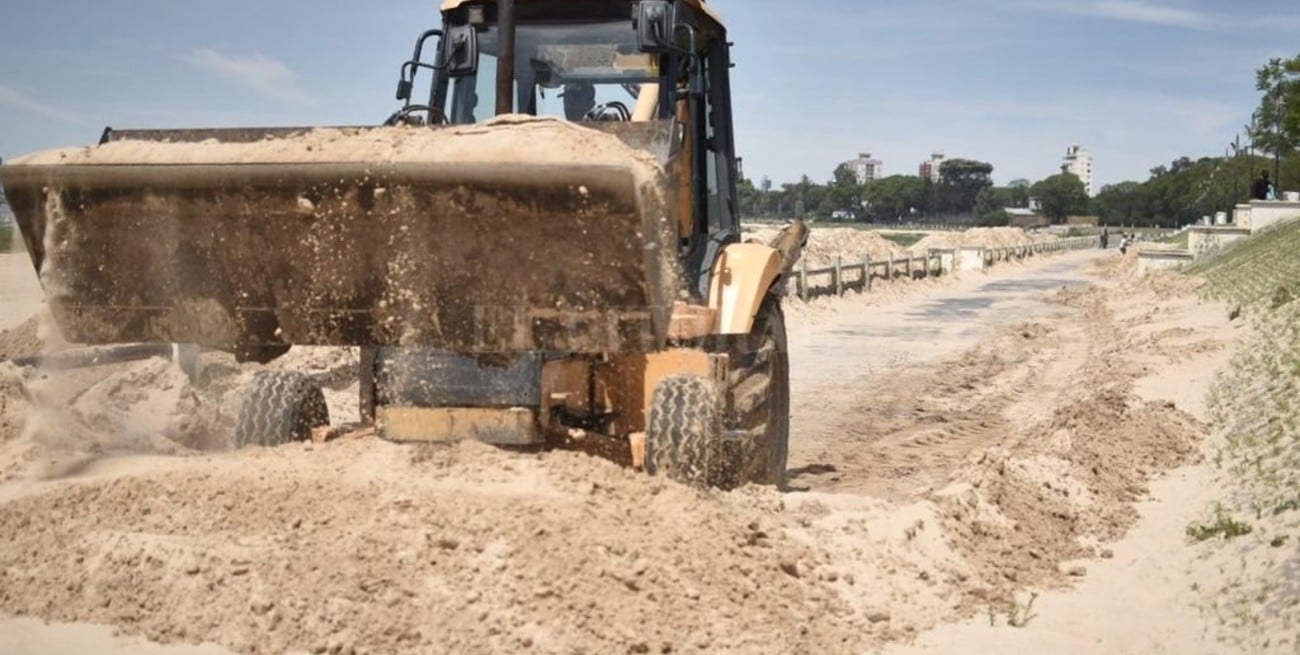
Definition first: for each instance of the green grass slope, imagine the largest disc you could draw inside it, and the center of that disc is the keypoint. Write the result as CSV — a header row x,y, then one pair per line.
x,y
1260,272
1255,409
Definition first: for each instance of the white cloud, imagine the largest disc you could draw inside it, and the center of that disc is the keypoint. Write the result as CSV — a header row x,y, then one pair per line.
x,y
15,99
259,73
1140,11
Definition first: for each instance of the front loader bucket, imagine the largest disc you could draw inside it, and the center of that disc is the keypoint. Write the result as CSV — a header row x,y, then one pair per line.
x,y
509,235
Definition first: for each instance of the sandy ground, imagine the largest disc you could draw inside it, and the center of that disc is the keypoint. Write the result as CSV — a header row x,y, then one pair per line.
x,y
20,293
955,449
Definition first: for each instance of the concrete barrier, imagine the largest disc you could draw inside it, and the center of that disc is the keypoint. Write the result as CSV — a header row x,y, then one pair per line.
x,y
947,258
970,258
1202,240
1163,260
1260,214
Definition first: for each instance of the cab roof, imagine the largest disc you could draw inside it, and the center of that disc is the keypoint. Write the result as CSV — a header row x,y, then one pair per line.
x,y
448,5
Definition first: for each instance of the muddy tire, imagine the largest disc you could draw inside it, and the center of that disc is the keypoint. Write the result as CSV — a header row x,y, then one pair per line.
x,y
703,436
684,432
280,407
757,401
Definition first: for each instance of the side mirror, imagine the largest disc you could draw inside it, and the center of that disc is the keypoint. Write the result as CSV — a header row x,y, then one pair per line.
x,y
654,26
404,89
462,51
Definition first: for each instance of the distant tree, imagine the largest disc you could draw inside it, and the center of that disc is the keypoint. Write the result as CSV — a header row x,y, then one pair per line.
x,y
995,218
1018,193
1120,204
845,192
894,197
1277,120
992,199
749,197
1061,196
961,181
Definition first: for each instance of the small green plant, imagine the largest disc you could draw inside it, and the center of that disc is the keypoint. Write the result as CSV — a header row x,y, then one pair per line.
x,y
1284,295
1223,525
1019,617
1289,505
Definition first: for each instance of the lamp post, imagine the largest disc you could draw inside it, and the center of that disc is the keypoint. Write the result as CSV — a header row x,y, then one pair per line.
x,y
1279,108
1236,156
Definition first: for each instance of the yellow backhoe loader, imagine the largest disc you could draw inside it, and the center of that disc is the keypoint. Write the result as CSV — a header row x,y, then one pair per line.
x,y
545,249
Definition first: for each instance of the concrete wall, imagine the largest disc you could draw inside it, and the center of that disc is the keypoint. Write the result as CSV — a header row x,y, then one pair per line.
x,y
947,259
970,258
1202,240
1162,260
1241,216
1260,214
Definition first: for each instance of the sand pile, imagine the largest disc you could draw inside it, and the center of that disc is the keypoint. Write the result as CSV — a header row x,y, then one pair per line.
x,y
152,407
13,402
960,483
364,548
550,141
21,340
937,240
1072,480
996,237
827,243
986,237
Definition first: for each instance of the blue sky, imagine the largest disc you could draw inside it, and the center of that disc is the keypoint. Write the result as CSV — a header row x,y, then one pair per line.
x,y
1012,82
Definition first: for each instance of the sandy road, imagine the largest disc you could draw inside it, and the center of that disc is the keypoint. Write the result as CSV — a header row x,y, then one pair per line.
x,y
862,378
923,427
935,323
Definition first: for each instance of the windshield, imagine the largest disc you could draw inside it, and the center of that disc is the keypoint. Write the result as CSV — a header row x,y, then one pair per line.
x,y
584,72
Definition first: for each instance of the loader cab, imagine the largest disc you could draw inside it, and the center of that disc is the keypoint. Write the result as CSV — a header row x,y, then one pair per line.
x,y
602,64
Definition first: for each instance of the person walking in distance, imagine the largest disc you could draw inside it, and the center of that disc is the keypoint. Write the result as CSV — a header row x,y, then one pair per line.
x,y
1105,238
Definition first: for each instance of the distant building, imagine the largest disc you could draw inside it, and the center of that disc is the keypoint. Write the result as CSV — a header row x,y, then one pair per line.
x,y
930,169
1079,162
866,168
1026,218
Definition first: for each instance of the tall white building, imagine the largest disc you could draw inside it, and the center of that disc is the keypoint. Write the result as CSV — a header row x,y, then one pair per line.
x,y
930,170
866,168
1079,161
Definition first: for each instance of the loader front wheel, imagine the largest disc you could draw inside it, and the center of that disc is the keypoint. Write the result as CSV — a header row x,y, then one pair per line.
x,y
683,432
757,418
280,407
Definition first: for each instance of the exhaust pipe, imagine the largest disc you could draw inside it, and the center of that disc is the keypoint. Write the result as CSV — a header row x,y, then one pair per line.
x,y
506,57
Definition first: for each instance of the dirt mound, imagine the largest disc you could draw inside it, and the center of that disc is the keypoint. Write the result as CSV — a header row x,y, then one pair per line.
x,y
947,487
827,243
551,141
22,340
1170,284
1030,452
13,402
152,407
986,237
286,549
